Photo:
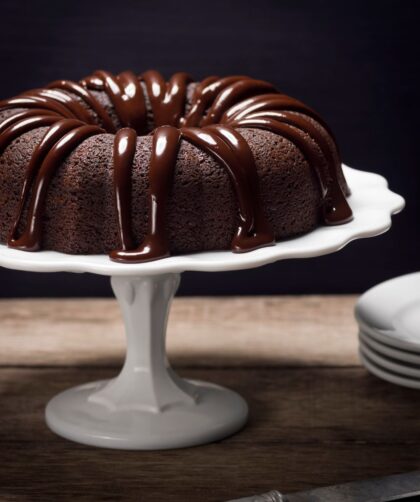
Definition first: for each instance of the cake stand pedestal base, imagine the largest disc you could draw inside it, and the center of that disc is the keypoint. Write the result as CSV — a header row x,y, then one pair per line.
x,y
147,406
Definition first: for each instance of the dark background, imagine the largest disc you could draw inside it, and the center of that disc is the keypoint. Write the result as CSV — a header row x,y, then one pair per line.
x,y
355,62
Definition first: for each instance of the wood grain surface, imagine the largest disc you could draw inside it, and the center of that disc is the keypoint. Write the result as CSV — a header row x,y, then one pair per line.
x,y
317,417
204,332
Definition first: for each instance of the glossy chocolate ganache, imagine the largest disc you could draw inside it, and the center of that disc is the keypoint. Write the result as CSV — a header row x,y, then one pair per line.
x,y
211,115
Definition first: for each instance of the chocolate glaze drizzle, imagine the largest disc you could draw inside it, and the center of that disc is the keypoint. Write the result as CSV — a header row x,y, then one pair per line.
x,y
162,166
219,106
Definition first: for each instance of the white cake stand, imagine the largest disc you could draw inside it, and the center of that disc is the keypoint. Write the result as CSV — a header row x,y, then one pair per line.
x,y
147,406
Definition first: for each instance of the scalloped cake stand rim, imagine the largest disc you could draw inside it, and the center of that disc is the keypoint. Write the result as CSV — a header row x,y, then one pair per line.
x,y
372,202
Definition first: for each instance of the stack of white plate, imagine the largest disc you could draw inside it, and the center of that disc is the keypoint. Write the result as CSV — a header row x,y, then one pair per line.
x,y
389,330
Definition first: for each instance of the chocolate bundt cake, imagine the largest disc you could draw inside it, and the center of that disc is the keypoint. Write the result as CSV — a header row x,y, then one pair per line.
x,y
140,168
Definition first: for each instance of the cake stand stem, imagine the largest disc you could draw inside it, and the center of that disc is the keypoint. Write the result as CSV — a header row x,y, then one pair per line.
x,y
147,406
146,381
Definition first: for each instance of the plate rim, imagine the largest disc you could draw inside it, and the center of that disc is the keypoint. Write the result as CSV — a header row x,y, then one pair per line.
x,y
383,337
389,365
389,284
388,376
399,354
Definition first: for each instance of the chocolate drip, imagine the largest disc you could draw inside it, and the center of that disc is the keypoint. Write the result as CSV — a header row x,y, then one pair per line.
x,y
304,124
235,92
162,166
231,149
167,100
17,117
271,102
73,106
124,150
88,98
126,95
22,126
33,101
31,237
335,208
199,101
54,133
205,93
218,105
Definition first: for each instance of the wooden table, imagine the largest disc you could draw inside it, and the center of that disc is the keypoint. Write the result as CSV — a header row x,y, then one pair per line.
x,y
317,417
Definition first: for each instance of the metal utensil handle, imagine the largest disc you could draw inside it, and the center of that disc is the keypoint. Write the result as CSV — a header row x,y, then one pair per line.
x,y
273,496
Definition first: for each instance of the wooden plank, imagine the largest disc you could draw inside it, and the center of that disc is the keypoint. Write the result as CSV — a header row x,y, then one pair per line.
x,y
292,405
308,427
203,332
210,474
